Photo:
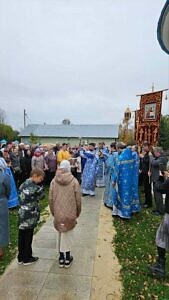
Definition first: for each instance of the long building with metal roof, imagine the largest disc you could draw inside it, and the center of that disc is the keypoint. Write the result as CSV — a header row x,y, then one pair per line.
x,y
71,133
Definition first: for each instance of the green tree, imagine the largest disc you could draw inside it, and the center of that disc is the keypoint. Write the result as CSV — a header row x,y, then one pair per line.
x,y
34,139
16,135
7,132
164,132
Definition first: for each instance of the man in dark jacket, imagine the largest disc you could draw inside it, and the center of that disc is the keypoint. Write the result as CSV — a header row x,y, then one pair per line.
x,y
162,235
144,169
158,163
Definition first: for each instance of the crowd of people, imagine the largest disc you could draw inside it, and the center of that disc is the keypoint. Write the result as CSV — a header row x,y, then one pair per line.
x,y
72,172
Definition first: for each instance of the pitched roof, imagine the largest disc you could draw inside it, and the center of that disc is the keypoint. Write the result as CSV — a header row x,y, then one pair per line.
x,y
80,131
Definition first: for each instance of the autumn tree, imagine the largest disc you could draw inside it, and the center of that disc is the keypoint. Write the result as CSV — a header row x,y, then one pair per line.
x,y
126,135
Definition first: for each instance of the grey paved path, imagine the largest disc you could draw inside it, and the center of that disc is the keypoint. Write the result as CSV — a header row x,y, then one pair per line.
x,y
44,279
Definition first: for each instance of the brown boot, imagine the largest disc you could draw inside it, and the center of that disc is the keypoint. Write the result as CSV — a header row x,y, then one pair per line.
x,y
1,253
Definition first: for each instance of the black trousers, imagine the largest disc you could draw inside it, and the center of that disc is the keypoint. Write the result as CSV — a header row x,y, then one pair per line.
x,y
49,176
147,189
158,198
25,238
78,177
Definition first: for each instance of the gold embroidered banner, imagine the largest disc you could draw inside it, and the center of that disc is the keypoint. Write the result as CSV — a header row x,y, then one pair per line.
x,y
147,118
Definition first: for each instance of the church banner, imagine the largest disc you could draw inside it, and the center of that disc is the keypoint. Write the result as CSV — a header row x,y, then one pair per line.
x,y
137,120
147,120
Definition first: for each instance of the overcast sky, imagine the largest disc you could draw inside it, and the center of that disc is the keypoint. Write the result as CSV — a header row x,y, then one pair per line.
x,y
79,59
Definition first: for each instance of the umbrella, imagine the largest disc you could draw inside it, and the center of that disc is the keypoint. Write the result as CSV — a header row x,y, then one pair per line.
x,y
16,142
163,28
3,141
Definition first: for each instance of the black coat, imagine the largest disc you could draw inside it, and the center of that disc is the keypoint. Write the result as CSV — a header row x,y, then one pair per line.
x,y
157,164
162,186
145,163
26,166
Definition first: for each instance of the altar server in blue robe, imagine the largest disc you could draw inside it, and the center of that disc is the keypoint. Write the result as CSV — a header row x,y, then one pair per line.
x,y
90,171
110,192
102,155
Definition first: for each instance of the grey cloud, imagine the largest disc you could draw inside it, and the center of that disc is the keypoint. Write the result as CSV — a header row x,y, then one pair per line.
x,y
85,60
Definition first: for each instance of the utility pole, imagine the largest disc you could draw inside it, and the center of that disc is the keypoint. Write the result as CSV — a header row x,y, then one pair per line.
x,y
24,117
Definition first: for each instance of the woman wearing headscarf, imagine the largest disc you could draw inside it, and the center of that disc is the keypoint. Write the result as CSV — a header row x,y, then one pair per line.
x,y
38,160
50,165
5,190
65,206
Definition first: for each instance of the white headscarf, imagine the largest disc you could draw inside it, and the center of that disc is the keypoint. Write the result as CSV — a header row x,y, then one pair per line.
x,y
65,165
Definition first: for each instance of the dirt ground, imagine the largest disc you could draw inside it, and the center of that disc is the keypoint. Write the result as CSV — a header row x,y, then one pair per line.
x,y
106,283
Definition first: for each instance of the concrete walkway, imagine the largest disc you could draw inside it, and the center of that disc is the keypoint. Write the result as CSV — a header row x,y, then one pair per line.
x,y
44,279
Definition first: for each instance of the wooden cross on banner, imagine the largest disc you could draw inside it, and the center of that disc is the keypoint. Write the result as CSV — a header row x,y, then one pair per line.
x,y
155,135
141,134
149,135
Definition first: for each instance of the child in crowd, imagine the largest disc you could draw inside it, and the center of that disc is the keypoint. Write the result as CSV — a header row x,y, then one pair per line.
x,y
65,206
29,195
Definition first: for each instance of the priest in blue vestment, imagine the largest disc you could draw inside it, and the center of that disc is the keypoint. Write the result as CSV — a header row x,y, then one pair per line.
x,y
135,194
90,171
123,180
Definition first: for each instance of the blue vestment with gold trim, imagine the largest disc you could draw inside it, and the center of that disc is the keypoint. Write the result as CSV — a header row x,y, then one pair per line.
x,y
124,181
89,173
110,193
135,195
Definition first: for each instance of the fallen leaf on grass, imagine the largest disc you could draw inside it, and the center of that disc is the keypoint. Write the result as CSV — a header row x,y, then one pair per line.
x,y
149,257
166,284
145,283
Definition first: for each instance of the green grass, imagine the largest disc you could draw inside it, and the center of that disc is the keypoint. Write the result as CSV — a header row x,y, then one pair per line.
x,y
136,249
11,250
